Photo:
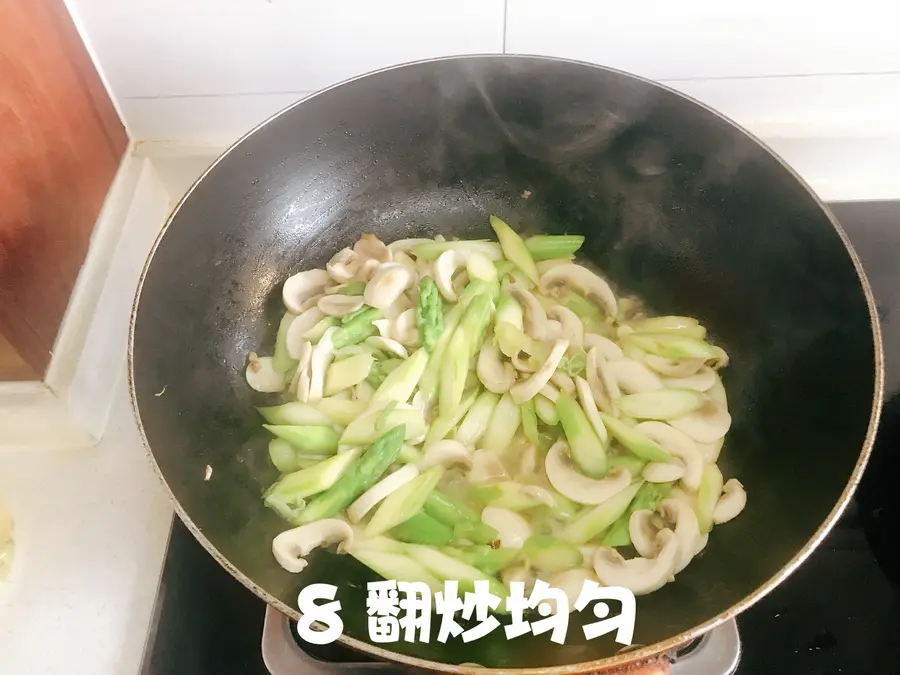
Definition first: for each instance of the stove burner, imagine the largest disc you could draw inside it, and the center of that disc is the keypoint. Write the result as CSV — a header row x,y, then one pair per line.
x,y
716,653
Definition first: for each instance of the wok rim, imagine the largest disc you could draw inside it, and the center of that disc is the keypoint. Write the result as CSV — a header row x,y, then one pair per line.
x,y
644,653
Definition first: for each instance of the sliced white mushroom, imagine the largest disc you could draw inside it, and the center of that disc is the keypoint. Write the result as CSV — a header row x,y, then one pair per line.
x,y
710,451
585,282
572,328
384,327
522,363
528,463
387,285
444,268
401,258
710,423
610,385
496,374
563,382
680,445
717,392
367,270
731,503
344,265
606,347
321,357
521,573
403,329
371,247
663,472
687,530
702,380
261,376
526,390
375,494
643,526
673,367
339,305
589,405
300,383
554,330
535,316
596,384
571,483
512,528
310,302
639,575
387,346
571,582
300,326
446,453
544,265
633,377
486,468
407,244
302,286
292,546
549,392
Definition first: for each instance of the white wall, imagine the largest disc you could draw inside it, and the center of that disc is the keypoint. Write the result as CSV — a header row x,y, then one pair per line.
x,y
205,71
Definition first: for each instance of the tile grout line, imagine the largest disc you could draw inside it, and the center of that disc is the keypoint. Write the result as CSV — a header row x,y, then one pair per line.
x,y
505,8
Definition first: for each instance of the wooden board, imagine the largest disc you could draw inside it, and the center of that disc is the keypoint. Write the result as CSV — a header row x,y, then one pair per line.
x,y
60,145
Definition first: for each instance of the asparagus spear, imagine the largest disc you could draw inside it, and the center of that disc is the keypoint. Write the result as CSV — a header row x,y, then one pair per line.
x,y
429,315
423,529
357,328
359,477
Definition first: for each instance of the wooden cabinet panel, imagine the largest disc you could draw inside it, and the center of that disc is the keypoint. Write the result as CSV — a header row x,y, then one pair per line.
x,y
60,145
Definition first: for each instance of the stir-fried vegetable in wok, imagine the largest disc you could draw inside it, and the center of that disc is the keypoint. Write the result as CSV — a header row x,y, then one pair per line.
x,y
475,410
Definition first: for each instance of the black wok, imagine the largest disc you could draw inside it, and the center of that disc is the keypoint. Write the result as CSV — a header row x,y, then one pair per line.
x,y
678,204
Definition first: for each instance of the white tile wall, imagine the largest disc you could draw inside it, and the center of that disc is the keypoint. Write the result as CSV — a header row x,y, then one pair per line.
x,y
207,71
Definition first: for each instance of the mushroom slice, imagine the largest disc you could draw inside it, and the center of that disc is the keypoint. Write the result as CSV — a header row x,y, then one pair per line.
x,y
386,285
387,345
367,270
710,451
300,383
680,445
643,526
339,305
731,503
300,326
586,398
687,530
639,575
702,380
596,384
446,453
673,367
513,529
535,316
390,483
528,389
707,424
569,482
662,472
371,247
608,349
292,546
495,374
402,304
633,377
261,376
571,582
554,330
301,287
343,265
520,573
322,354
383,326
486,468
584,281
444,268
572,328
403,329
563,382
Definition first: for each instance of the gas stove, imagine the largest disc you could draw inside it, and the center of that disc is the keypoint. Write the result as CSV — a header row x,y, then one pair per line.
x,y
838,613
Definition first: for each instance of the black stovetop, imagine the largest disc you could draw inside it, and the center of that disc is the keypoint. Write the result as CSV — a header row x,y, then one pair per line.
x,y
838,613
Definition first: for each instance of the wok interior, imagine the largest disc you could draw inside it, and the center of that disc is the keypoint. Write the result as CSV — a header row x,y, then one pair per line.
x,y
677,205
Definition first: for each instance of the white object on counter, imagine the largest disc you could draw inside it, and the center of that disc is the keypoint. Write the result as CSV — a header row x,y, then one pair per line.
x,y
92,528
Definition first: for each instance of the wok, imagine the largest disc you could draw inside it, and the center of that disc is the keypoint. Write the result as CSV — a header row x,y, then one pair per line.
x,y
678,205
